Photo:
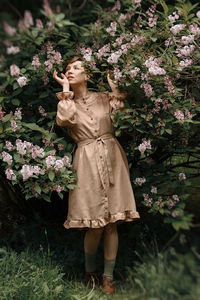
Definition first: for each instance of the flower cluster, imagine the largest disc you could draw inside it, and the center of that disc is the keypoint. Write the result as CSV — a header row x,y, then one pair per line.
x,y
139,181
146,144
153,66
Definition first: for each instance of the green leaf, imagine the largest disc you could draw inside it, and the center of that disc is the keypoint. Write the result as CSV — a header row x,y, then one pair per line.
x,y
37,188
51,175
35,127
15,102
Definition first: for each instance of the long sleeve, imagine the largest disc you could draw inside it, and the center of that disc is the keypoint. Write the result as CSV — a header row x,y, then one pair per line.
x,y
66,111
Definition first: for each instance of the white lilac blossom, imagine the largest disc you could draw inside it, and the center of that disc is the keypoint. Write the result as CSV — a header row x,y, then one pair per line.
x,y
189,39
177,28
182,176
12,50
59,164
37,152
154,190
22,81
146,144
50,161
58,188
18,113
198,14
87,53
153,66
14,70
6,157
21,147
139,181
117,74
113,58
27,171
194,29
138,40
10,174
148,89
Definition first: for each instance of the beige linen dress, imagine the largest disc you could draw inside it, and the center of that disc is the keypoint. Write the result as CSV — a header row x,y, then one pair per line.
x,y
105,193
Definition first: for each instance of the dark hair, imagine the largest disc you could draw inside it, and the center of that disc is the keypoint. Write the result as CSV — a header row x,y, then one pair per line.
x,y
70,61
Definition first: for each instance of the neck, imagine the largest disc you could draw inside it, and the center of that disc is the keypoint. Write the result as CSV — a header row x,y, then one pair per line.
x,y
80,91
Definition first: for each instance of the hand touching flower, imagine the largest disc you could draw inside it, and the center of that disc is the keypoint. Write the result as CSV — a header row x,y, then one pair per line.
x,y
113,84
62,81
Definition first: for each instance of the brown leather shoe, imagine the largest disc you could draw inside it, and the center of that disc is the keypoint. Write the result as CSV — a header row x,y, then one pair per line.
x,y
108,286
91,279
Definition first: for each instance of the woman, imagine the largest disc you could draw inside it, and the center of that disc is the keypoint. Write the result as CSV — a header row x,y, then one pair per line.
x,y
105,195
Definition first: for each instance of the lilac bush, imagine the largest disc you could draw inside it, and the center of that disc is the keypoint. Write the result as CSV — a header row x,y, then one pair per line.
x,y
152,50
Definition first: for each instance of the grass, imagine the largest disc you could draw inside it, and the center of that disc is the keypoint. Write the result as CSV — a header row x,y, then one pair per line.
x,y
37,275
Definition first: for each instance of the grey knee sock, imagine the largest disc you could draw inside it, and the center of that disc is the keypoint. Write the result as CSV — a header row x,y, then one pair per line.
x,y
108,268
90,262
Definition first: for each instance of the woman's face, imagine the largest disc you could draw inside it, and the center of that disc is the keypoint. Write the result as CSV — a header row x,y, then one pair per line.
x,y
75,73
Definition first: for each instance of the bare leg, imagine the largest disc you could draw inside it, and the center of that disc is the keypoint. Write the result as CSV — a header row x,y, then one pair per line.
x,y
92,240
110,241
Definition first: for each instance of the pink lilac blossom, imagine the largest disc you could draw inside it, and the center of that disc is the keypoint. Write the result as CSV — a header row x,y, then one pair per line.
x,y
8,29
125,47
39,24
144,145
170,41
21,26
50,161
18,113
59,164
42,111
10,174
28,145
187,39
37,152
2,113
185,51
148,89
58,188
103,52
186,62
139,181
14,125
47,7
36,63
117,74
153,66
174,17
170,203
66,162
21,147
38,171
13,50
45,79
14,70
118,41
9,146
27,171
113,58
188,114
177,28
148,201
179,115
6,157
112,28
175,197
137,3
169,85
116,7
133,73
152,20
87,53
175,213
194,29
192,102
28,19
138,40
22,81
124,17
7,43
182,176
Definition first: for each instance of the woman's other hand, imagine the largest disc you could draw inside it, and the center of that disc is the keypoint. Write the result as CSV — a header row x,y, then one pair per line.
x,y
62,81
113,84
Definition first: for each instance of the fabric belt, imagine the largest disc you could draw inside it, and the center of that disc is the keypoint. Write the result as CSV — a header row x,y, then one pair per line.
x,y
102,158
